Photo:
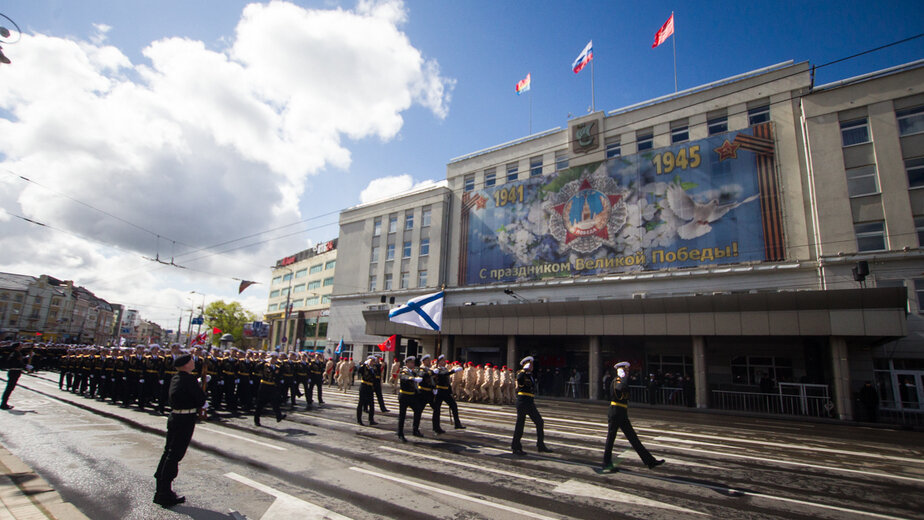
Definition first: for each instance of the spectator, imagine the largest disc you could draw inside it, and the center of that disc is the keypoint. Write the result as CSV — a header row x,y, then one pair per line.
x,y
869,399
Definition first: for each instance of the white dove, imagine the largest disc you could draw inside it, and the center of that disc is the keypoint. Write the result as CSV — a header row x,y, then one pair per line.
x,y
698,215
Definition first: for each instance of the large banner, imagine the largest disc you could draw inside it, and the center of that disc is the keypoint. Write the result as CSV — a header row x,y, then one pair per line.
x,y
712,201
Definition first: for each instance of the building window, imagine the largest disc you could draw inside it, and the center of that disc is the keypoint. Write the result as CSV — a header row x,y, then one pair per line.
x,y
667,364
375,254
300,273
680,134
425,218
919,227
870,236
313,300
758,115
393,224
424,246
490,178
469,182
299,288
372,280
751,370
377,227
317,268
390,252
644,140
862,181
854,132
325,299
535,166
910,120
314,285
286,277
328,281
297,304
422,278
330,264
919,294
409,220
915,169
406,250
274,294
405,279
272,307
387,282
613,148
561,160
513,172
717,125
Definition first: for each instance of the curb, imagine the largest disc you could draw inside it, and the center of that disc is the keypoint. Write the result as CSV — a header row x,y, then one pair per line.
x,y
26,495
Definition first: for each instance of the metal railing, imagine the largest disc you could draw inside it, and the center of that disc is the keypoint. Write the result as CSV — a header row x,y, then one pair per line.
x,y
776,403
663,395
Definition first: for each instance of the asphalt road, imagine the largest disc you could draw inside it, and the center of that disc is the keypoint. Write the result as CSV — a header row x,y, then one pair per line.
x,y
320,464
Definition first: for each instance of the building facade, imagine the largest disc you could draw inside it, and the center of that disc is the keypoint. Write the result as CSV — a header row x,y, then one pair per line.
x,y
750,244
298,309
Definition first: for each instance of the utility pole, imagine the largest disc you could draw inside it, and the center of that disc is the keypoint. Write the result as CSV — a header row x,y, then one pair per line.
x,y
179,327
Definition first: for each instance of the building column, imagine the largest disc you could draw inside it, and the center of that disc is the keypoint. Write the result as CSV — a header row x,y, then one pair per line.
x,y
699,372
593,371
840,372
512,352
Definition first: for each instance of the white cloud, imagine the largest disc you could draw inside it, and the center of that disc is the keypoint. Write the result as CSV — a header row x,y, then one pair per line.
x,y
385,187
198,145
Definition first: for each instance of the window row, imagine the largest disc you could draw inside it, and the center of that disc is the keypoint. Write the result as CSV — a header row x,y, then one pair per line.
x,y
404,281
297,304
405,250
425,217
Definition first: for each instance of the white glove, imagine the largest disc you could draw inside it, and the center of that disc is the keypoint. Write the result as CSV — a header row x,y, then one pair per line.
x,y
160,381
457,369
29,367
124,378
434,391
222,382
236,381
104,377
251,382
205,406
208,378
141,380
418,379
620,372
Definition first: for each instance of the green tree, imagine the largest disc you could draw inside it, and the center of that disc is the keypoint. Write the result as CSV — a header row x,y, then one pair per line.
x,y
229,317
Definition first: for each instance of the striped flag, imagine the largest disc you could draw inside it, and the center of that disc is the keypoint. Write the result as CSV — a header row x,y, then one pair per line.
x,y
664,32
586,55
424,311
523,85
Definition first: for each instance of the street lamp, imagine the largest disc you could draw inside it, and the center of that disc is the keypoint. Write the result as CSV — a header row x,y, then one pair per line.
x,y
285,319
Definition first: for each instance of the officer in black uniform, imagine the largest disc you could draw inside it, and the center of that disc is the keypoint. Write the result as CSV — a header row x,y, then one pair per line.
x,y
186,398
315,379
408,396
526,405
379,369
619,419
366,373
427,384
15,365
271,379
442,373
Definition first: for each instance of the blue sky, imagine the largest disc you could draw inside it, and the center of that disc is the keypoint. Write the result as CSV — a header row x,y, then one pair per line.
x,y
482,49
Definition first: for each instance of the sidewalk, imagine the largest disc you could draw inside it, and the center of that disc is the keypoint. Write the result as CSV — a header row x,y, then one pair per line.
x,y
24,495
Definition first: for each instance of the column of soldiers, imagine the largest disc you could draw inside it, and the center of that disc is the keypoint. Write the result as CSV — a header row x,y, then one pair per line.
x,y
485,384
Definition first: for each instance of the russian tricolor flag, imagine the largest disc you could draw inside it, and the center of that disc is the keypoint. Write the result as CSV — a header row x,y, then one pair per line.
x,y
586,55
523,85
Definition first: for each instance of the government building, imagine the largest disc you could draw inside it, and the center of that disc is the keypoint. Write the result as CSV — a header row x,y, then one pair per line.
x,y
753,244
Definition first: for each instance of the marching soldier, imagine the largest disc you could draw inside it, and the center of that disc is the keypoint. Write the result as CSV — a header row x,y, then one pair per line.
x,y
618,416
96,372
366,373
150,376
316,377
442,373
302,377
244,384
378,367
228,375
120,376
426,385
288,370
526,405
271,379
169,370
408,397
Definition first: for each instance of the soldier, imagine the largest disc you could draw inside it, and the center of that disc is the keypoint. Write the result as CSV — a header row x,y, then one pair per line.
x,y
618,416
408,397
271,379
378,367
169,370
229,376
315,376
243,383
526,405
149,387
135,376
120,376
291,384
108,377
17,362
393,374
343,373
481,373
303,376
329,369
96,373
366,373
442,373
456,380
216,382
186,398
427,385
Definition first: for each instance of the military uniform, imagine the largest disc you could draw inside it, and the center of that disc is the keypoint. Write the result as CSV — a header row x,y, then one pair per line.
x,y
408,397
618,416
271,379
169,370
228,375
316,379
444,394
243,388
526,405
366,373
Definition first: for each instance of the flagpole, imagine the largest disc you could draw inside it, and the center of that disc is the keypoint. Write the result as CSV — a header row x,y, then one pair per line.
x,y
530,113
593,104
674,45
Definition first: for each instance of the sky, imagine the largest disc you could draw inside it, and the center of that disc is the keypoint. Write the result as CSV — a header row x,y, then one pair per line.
x,y
223,135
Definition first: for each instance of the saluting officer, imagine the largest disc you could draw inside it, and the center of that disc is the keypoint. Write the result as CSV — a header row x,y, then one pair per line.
x,y
618,416
526,405
366,373
408,396
442,373
186,398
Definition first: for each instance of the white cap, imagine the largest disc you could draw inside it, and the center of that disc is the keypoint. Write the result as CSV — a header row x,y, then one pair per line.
x,y
527,359
424,357
441,356
410,358
622,364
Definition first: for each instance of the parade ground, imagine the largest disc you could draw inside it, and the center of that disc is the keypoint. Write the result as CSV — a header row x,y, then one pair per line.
x,y
100,458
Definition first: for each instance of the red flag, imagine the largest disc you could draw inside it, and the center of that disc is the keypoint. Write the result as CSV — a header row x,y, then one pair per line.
x,y
388,345
664,32
244,284
216,330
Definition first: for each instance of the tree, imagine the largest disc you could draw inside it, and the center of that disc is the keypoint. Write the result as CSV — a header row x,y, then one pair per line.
x,y
229,317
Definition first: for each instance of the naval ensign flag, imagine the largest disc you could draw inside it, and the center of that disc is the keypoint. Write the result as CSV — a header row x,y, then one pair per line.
x,y
424,311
